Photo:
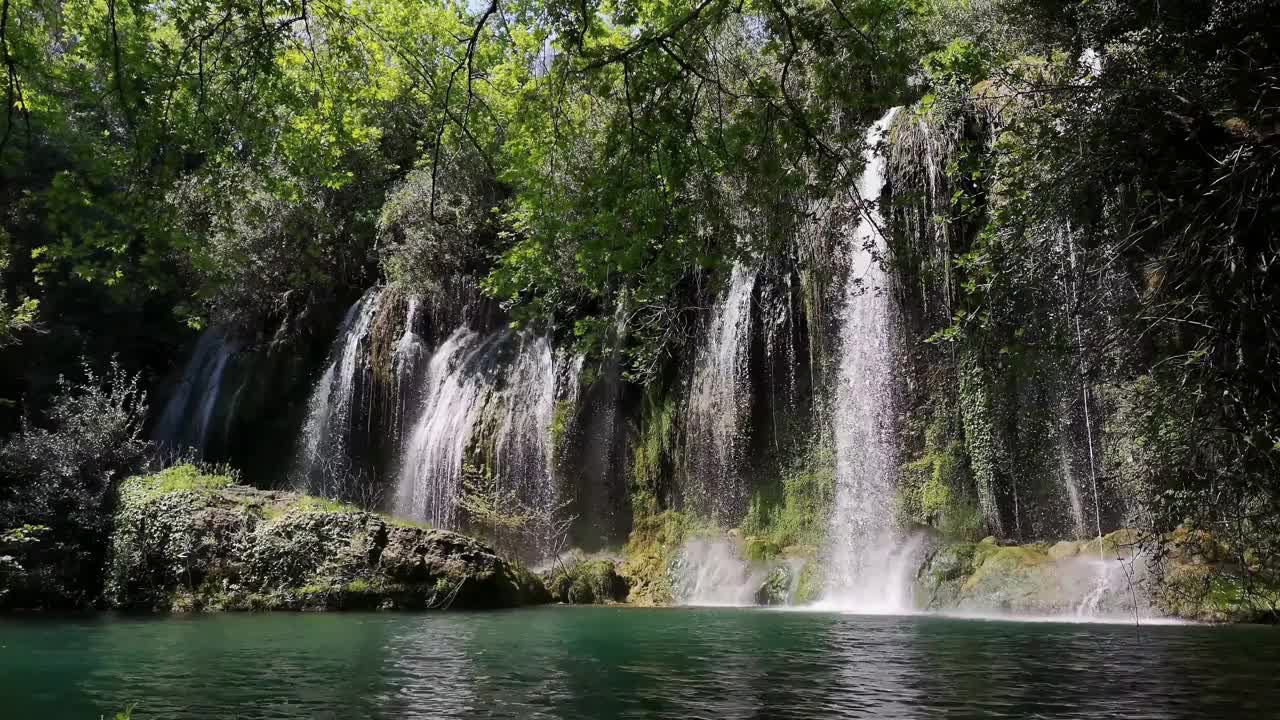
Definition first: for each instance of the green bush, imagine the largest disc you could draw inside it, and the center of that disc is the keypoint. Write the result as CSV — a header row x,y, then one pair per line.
x,y
61,474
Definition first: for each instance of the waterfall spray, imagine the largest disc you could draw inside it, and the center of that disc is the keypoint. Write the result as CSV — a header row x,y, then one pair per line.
x,y
1084,391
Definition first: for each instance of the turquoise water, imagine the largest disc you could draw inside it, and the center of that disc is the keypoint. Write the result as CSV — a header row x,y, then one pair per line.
x,y
561,662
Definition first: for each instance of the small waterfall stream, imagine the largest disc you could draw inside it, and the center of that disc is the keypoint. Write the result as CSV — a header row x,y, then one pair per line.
x,y
408,360
1076,402
869,562
486,399
431,466
189,415
336,403
718,403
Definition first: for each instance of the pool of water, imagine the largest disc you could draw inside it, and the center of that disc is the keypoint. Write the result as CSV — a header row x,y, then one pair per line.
x,y
562,662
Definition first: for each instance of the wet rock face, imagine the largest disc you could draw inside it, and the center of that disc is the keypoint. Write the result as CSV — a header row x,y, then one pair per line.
x,y
587,582
234,548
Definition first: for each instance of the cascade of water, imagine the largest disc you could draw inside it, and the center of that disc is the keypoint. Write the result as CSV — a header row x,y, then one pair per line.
x,y
1064,436
1066,246
526,404
432,463
407,361
710,572
719,399
334,403
1068,476
1091,603
495,391
870,563
189,414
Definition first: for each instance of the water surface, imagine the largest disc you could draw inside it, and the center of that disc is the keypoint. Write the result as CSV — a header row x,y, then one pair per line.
x,y
686,663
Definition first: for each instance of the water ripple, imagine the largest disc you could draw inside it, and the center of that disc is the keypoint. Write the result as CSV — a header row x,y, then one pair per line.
x,y
717,664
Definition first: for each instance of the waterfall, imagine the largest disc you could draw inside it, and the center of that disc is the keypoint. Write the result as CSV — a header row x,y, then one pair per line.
x,y
711,572
522,455
432,463
870,564
1092,602
189,414
407,362
337,401
1076,394
486,400
719,400
1068,475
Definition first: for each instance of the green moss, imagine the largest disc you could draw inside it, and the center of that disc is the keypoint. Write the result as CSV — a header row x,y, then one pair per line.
x,y
654,541
953,562
809,584
761,549
308,503
933,491
561,420
405,523
1211,593
992,561
587,582
776,588
652,451
1122,542
799,515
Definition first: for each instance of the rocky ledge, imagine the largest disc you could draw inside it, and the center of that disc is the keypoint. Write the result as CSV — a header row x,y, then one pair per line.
x,y
186,541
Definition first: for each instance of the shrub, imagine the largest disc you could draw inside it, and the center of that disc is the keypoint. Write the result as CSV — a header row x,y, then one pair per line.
x,y
60,474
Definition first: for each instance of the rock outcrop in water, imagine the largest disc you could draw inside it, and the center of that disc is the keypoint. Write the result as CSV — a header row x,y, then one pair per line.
x,y
189,541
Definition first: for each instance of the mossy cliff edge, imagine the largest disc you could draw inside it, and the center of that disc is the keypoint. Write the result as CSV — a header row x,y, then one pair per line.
x,y
188,541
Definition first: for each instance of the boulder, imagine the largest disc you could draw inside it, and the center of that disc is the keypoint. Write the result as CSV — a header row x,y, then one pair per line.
x,y
216,546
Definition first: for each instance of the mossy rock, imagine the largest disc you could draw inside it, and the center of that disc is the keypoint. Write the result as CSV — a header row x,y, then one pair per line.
x,y
1120,544
650,553
761,549
800,552
776,588
187,542
809,583
952,562
1209,593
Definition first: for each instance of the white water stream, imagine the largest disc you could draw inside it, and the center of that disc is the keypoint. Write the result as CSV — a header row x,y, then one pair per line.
x,y
500,388
870,562
718,403
332,410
